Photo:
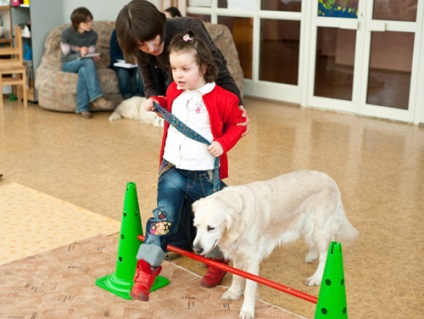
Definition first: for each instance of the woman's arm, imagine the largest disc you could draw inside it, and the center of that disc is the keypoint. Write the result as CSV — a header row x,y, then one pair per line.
x,y
65,47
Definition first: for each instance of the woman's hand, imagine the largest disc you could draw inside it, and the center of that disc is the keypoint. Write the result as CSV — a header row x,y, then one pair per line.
x,y
246,123
83,51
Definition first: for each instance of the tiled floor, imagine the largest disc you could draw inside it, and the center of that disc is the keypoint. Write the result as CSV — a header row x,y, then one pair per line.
x,y
33,222
379,166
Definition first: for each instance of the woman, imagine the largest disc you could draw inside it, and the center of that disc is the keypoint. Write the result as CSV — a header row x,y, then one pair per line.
x,y
78,45
144,34
129,79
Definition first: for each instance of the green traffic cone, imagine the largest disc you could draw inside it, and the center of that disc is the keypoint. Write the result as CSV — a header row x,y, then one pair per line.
x,y
120,282
332,295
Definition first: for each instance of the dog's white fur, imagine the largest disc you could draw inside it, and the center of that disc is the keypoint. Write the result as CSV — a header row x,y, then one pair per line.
x,y
247,222
133,109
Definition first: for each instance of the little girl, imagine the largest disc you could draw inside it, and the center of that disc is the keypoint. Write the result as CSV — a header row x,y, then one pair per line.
x,y
186,166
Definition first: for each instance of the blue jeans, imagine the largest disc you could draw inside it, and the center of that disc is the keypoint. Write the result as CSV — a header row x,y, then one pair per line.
x,y
130,82
88,85
174,186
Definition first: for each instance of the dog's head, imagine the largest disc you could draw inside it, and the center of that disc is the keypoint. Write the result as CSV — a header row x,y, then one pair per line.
x,y
217,219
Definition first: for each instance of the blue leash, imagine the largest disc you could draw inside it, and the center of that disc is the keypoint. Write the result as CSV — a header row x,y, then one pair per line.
x,y
187,131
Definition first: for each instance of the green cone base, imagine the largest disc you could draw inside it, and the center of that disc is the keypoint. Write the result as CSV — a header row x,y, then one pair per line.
x,y
122,288
120,282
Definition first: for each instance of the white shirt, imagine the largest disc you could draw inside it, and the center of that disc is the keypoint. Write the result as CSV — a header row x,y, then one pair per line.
x,y
180,150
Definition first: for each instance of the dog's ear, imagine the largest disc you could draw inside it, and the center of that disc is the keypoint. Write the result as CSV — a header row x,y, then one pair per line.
x,y
195,205
233,199
232,224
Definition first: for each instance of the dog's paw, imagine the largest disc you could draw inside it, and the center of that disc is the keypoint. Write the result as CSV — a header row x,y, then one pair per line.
x,y
311,256
114,116
247,313
313,281
231,294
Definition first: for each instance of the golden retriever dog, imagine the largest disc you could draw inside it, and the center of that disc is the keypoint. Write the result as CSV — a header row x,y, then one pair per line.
x,y
248,221
133,109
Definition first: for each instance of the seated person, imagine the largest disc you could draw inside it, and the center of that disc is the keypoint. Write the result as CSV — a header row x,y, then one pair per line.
x,y
76,42
129,79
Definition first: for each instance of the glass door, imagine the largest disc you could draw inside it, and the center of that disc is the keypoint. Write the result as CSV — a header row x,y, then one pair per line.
x,y
335,41
391,47
365,57
268,36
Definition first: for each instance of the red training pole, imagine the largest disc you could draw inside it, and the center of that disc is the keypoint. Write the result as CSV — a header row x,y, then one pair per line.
x,y
239,272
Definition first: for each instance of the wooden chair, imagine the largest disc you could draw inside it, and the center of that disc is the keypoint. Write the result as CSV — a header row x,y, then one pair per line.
x,y
12,68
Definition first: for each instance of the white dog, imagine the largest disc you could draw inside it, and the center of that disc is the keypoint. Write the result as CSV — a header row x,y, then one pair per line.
x,y
247,222
133,109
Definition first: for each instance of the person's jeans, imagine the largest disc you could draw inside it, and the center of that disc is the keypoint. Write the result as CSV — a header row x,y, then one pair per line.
x,y
88,85
130,82
174,186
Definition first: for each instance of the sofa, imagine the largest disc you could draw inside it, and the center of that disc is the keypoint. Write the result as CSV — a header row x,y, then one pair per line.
x,y
56,89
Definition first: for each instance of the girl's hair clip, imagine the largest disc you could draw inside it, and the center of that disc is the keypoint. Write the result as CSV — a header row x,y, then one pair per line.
x,y
187,38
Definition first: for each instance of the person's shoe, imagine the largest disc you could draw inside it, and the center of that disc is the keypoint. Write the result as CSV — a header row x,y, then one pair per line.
x,y
214,276
86,114
143,280
102,103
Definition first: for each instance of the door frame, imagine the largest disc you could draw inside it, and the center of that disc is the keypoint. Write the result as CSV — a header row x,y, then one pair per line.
x,y
272,90
302,93
411,114
364,24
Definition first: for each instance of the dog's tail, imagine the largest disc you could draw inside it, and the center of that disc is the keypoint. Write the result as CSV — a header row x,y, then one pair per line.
x,y
346,233
114,116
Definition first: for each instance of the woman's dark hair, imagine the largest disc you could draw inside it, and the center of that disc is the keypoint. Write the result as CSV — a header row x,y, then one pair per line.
x,y
138,21
174,12
187,41
79,15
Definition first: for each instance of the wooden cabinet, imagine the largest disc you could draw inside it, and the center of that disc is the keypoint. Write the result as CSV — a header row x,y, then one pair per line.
x,y
43,16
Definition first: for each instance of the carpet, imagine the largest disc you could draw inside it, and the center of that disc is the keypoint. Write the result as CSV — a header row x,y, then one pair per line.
x,y
60,283
33,222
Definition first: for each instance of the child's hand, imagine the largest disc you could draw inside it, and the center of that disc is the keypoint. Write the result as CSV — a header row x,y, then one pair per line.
x,y
148,105
215,149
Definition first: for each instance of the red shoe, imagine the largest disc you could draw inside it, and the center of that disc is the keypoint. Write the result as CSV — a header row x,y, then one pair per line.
x,y
143,280
214,275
